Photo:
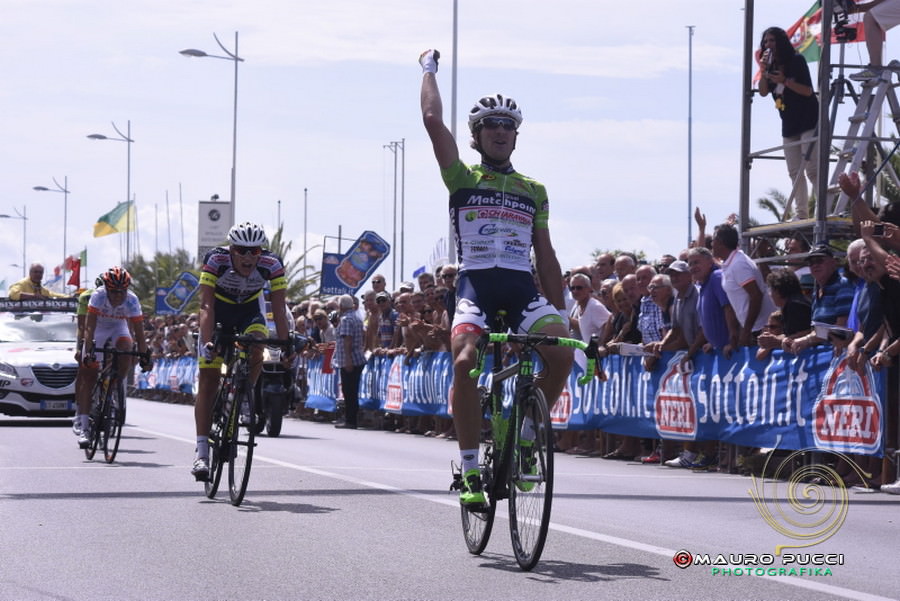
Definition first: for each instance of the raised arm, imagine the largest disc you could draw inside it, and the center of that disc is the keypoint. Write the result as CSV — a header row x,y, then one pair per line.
x,y
445,149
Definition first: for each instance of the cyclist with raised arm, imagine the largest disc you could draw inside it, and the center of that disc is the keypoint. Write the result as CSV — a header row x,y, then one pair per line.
x,y
498,216
231,282
112,312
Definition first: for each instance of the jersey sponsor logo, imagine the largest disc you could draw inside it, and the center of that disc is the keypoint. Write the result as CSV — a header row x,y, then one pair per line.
x,y
492,229
847,415
676,414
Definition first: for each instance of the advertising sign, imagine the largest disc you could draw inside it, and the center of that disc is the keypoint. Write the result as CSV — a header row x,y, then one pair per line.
x,y
213,224
345,273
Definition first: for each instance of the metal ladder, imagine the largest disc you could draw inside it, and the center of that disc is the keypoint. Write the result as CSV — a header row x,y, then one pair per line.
x,y
861,132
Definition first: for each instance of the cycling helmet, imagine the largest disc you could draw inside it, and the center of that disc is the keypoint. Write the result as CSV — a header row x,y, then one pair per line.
x,y
117,278
247,234
494,105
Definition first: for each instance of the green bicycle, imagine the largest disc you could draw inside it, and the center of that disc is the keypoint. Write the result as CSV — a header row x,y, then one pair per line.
x,y
517,457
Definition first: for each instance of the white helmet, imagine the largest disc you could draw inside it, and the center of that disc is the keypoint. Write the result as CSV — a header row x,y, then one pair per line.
x,y
247,234
494,105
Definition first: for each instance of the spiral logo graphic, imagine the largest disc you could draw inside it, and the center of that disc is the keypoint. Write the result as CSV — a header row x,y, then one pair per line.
x,y
682,559
808,503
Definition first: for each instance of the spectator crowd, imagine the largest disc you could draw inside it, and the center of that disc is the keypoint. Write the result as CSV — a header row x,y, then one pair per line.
x,y
709,297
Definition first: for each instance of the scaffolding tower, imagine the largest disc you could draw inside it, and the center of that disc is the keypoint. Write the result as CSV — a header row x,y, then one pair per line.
x,y
860,148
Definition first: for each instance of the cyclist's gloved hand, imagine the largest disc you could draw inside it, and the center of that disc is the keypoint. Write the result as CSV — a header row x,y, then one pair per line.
x,y
88,359
146,363
429,61
207,351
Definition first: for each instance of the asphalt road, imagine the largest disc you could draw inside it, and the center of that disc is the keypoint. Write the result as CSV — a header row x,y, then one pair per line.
x,y
340,514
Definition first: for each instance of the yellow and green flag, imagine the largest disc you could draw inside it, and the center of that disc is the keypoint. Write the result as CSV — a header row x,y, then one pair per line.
x,y
121,219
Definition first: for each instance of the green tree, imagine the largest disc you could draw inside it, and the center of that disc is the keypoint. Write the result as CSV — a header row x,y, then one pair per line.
x,y
161,271
639,254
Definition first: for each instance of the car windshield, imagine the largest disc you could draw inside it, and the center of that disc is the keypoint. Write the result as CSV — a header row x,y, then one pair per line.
x,y
37,327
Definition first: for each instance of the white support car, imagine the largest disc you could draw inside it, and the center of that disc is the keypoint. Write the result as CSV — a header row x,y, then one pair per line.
x,y
37,357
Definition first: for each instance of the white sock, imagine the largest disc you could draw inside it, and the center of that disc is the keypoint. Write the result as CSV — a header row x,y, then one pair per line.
x,y
469,459
202,447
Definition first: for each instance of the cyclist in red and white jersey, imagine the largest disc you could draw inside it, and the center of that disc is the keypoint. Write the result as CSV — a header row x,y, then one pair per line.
x,y
499,217
113,312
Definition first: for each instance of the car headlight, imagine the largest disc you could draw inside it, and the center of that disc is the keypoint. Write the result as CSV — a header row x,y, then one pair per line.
x,y
8,371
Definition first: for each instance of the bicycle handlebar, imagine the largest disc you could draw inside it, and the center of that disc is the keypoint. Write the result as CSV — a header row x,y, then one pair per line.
x,y
294,342
533,340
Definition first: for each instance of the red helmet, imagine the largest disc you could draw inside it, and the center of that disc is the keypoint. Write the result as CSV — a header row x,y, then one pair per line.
x,y
117,278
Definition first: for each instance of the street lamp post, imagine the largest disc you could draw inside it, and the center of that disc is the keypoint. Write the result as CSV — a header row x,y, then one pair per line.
x,y
24,219
690,29
126,137
235,58
64,188
394,147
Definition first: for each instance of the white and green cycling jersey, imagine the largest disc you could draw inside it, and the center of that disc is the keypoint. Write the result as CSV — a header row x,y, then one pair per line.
x,y
494,215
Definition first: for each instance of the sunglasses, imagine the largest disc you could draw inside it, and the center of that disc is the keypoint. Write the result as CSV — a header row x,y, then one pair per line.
x,y
494,122
576,287
378,281
448,276
244,250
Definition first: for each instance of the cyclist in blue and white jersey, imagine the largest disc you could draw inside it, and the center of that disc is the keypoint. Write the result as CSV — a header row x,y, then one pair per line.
x,y
232,279
499,217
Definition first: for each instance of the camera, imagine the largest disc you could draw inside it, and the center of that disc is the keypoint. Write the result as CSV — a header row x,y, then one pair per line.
x,y
842,29
878,230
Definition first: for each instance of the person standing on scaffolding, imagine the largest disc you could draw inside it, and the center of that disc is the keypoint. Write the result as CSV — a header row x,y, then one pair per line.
x,y
785,74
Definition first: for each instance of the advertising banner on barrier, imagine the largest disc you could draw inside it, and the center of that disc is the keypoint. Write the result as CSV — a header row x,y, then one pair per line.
x,y
810,400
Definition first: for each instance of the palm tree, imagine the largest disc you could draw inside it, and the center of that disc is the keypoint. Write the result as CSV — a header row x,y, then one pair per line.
x,y
302,279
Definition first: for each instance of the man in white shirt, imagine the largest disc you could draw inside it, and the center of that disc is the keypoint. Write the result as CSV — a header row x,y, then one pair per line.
x,y
743,284
588,315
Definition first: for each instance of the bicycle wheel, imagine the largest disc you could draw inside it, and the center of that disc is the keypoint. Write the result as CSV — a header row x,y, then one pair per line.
x,y
113,418
94,422
218,444
477,525
530,479
243,437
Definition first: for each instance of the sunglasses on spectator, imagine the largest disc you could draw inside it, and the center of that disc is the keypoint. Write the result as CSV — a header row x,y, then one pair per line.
x,y
576,287
245,250
496,122
448,276
378,281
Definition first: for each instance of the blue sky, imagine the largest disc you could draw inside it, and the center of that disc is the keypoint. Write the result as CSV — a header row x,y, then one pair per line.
x,y
325,86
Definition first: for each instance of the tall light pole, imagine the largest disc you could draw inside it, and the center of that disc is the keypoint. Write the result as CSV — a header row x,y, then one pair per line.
x,y
126,137
235,58
394,147
451,246
690,29
24,219
64,188
305,248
